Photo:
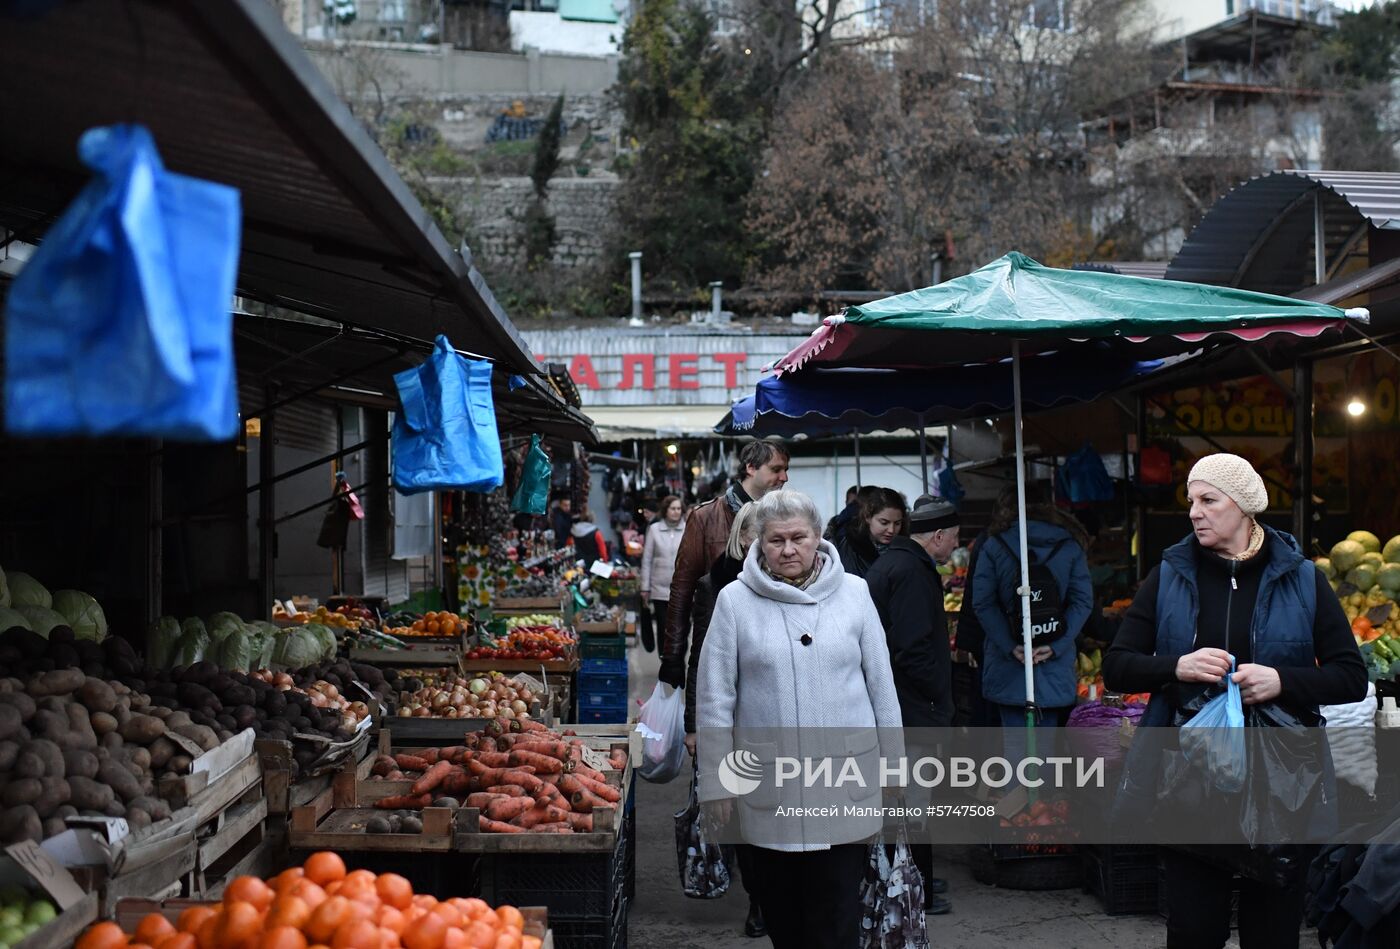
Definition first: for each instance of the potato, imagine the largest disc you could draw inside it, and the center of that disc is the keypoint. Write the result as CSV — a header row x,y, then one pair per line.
x,y
160,712
200,735
57,682
10,721
122,714
160,750
21,701
50,725
22,791
142,729
140,701
140,757
80,731
116,776
9,753
179,764
79,762
50,754
136,818
157,808
56,792
115,809
102,724
97,696
89,795
29,764
54,703
178,719
20,824
377,825
111,740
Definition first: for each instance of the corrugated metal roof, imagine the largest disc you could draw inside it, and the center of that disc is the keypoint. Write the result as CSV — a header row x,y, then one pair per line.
x,y
1259,236
1156,269
330,228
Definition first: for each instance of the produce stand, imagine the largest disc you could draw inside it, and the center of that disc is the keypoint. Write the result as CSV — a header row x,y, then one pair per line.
x,y
439,653
64,929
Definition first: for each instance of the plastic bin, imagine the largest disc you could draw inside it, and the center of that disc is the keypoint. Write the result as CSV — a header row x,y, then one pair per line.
x,y
1123,878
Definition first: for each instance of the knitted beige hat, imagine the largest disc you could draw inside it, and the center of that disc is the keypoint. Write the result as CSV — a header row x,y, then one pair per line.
x,y
1236,477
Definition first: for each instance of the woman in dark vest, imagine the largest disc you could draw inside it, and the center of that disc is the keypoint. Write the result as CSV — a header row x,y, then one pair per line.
x,y
1233,588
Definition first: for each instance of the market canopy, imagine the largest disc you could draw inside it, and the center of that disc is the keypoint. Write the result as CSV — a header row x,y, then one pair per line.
x,y
821,402
974,318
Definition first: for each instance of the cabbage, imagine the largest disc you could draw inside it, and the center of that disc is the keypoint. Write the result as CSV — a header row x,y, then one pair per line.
x,y
26,591
224,624
162,639
297,649
325,636
194,643
4,590
263,640
233,652
83,613
9,619
42,619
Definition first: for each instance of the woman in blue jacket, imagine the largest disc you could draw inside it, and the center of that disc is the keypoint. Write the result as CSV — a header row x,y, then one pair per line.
x,y
1056,541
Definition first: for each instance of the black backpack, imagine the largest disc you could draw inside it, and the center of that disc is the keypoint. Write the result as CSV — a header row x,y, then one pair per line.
x,y
1047,605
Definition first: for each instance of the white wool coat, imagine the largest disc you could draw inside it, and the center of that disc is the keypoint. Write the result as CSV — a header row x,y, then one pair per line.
x,y
756,678
663,542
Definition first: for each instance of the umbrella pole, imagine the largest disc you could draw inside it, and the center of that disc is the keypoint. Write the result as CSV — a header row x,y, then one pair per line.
x,y
923,450
1024,591
858,483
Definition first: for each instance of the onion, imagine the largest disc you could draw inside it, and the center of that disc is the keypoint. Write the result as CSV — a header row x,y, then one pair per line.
x,y
318,700
405,712
441,699
421,712
506,713
518,706
450,713
525,695
349,722
283,678
471,702
478,686
524,716
487,709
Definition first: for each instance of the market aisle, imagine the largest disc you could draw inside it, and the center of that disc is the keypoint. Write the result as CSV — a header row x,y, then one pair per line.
x,y
983,917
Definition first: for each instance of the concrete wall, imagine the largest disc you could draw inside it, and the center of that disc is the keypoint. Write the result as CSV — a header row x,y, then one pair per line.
x,y
443,71
582,209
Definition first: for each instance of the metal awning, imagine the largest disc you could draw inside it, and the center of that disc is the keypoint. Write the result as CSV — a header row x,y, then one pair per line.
x,y
330,229
1259,236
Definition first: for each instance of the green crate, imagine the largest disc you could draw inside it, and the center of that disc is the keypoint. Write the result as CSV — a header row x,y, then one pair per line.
x,y
602,646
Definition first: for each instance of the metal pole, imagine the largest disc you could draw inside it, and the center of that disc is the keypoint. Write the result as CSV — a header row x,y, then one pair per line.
x,y
923,450
857,441
636,257
267,506
935,269
1303,453
1024,591
716,289
1319,239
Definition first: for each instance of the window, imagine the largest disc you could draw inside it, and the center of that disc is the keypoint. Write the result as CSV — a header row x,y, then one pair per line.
x,y
1050,14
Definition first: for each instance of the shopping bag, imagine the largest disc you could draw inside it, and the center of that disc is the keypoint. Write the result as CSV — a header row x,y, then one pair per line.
x,y
1083,479
121,322
445,438
892,899
1213,740
532,497
704,873
662,726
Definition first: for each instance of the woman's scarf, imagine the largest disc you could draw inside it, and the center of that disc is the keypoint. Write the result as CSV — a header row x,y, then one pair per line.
x,y
1256,544
802,582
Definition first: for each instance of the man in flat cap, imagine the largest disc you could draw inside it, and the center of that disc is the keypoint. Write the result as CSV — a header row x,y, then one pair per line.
x,y
908,593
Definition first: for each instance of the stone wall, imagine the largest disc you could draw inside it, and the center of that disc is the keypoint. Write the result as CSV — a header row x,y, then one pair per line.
x,y
582,209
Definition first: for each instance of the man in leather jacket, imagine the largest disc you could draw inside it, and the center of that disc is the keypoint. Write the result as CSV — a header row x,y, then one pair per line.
x,y
765,468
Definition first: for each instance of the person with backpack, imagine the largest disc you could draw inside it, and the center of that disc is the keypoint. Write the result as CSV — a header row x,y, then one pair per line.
x,y
1061,599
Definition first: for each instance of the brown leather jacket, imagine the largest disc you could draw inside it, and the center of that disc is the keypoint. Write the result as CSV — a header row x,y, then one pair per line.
x,y
706,535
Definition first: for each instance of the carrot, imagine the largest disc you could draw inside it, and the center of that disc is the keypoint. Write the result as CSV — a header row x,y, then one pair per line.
x,y
411,763
494,776
429,755
601,788
382,766
583,823
543,764
404,802
452,753
457,783
570,733
538,814
584,802
433,777
396,775
480,799
555,749
491,759
508,808
489,826
563,828
618,759
530,725
549,794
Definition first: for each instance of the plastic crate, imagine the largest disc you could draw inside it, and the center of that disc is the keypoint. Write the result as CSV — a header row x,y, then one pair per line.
x,y
1005,866
602,647
1123,878
572,885
594,684
610,698
608,932
603,667
615,714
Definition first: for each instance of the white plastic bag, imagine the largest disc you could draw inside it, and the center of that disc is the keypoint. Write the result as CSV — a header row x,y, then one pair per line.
x,y
662,726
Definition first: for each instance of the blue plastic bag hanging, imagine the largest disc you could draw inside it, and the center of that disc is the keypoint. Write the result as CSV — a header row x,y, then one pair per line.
x,y
1084,479
445,434
121,323
1214,741
532,497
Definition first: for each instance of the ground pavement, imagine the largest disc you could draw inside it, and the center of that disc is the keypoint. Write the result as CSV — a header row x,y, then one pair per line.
x,y
983,917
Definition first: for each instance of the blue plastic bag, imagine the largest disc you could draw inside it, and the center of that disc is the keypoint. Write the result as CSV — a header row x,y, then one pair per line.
x,y
1214,741
121,323
1084,479
532,497
445,436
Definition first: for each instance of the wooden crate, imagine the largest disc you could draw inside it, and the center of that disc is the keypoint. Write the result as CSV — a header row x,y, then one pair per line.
x,y
534,667
65,928
436,655
527,604
321,826
227,840
283,792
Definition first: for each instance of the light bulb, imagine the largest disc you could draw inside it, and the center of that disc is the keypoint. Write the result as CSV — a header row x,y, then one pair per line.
x,y
671,449
1356,408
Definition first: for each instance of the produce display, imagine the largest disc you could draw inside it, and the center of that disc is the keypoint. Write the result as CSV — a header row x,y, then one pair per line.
x,y
321,904
444,624
535,621
21,913
237,646
527,779
544,642
597,613
345,617
438,694
25,602
1366,578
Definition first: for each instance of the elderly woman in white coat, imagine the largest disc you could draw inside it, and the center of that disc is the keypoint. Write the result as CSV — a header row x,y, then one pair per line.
x,y
796,643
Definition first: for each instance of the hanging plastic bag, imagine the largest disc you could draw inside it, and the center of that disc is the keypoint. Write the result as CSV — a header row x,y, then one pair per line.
x,y
1213,740
704,873
1084,479
949,488
532,497
662,727
892,899
121,322
445,438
